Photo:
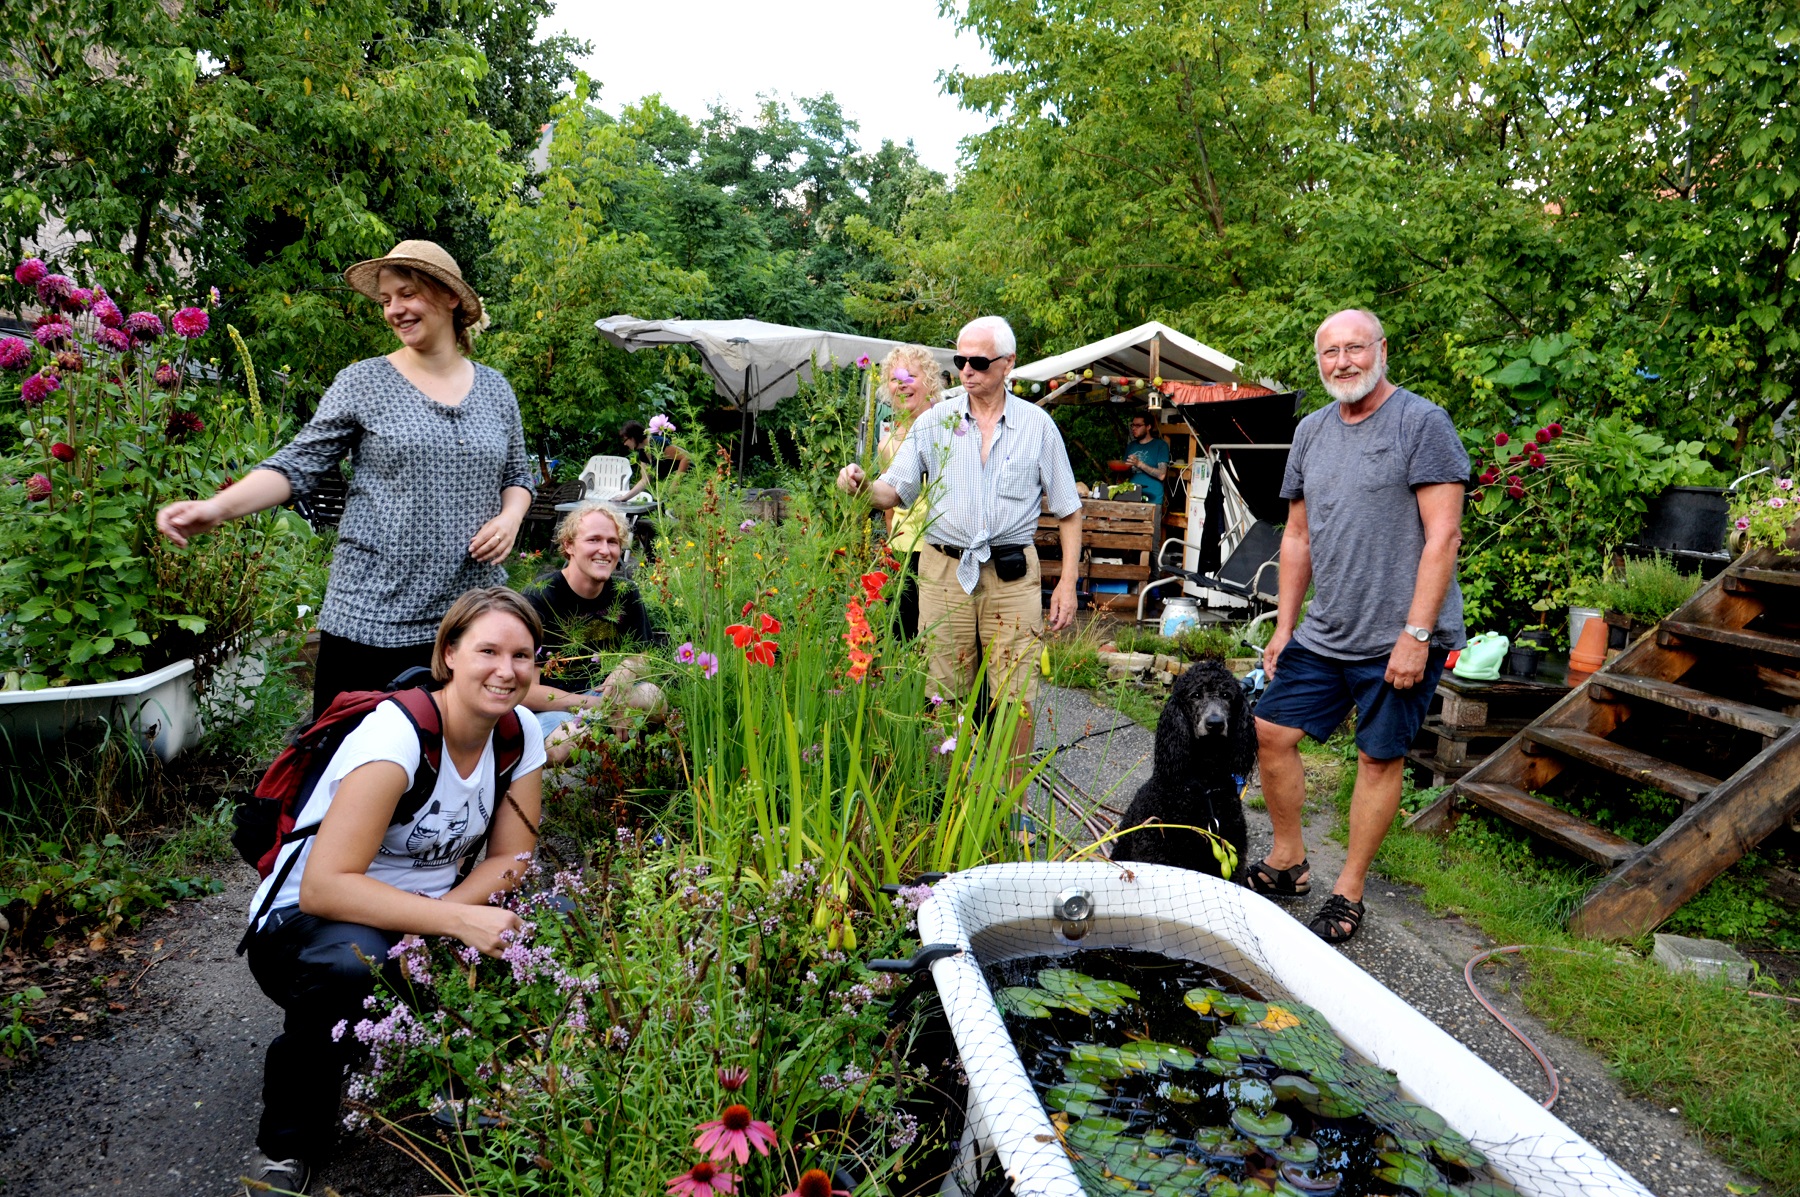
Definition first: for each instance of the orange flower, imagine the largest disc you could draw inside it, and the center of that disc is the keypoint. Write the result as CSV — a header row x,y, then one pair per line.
x,y
859,664
872,583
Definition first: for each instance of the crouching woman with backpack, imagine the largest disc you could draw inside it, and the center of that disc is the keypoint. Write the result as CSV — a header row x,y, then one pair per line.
x,y
383,861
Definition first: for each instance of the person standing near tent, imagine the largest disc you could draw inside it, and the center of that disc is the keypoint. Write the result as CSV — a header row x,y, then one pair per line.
x,y
914,383
1374,485
1148,456
984,465
441,481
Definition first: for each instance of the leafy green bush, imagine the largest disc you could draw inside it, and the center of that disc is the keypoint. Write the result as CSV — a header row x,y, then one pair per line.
x,y
1649,590
1210,642
95,889
89,589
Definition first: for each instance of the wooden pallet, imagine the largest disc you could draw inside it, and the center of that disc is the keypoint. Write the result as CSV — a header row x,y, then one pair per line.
x,y
1728,663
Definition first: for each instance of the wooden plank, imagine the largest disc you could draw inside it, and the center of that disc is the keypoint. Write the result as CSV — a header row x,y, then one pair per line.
x,y
1558,826
1640,767
1439,816
1707,839
1755,642
1143,543
1760,720
1764,577
1129,573
1780,681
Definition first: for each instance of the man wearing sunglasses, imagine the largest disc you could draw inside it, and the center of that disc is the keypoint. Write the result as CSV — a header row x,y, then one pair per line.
x,y
986,464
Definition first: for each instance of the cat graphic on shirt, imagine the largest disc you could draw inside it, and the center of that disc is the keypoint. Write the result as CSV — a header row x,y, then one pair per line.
x,y
437,836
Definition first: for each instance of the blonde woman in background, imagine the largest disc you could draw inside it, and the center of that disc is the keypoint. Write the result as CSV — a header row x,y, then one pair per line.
x,y
914,382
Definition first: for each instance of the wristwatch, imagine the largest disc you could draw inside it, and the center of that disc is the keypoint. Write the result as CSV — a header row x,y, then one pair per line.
x,y
1422,635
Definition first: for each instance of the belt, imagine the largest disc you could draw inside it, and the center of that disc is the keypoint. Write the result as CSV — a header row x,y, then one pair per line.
x,y
955,554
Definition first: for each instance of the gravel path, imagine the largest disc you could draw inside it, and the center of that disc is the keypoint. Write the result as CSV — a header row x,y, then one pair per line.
x,y
163,1099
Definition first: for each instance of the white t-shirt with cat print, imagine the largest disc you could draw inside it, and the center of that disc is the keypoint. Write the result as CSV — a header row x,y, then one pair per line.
x,y
419,856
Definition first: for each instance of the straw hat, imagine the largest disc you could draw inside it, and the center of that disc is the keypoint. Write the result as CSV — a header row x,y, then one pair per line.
x,y
426,256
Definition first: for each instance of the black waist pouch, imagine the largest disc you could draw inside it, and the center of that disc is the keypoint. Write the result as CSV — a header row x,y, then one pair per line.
x,y
1008,562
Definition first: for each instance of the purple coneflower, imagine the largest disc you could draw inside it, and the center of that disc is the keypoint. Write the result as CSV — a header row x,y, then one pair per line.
x,y
733,1133
702,1180
733,1079
815,1182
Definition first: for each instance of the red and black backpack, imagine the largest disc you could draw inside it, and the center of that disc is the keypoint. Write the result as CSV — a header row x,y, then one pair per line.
x,y
264,822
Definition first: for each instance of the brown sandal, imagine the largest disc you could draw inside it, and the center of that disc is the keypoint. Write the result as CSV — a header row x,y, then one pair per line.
x,y
1270,882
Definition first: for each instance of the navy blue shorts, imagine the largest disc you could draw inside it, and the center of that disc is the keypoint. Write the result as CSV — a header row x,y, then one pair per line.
x,y
1314,692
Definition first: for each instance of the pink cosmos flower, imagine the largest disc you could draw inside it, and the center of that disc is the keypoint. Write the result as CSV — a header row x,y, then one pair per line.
x,y
38,388
685,654
1784,484
947,747
62,451
746,525
660,425
1743,523
106,311
15,353
30,272
709,665
37,488
1778,501
702,1180
53,334
112,338
734,1133
144,326
190,323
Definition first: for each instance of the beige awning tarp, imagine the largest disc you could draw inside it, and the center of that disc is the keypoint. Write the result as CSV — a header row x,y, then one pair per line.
x,y
754,364
1128,353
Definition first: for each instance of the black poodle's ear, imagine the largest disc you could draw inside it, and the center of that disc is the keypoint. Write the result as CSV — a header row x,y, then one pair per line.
x,y
1243,745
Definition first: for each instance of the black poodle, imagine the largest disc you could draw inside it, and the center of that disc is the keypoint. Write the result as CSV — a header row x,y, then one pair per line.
x,y
1205,746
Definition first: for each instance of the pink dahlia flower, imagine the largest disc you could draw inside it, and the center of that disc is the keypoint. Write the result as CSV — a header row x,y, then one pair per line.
x,y
113,339
52,289
38,388
37,488
144,326
189,323
734,1133
78,300
106,311
15,353
62,451
184,424
167,375
30,271
53,333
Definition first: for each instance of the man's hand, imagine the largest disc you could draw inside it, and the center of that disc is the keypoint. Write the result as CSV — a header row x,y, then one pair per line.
x,y
851,479
1272,652
494,541
1406,664
1062,604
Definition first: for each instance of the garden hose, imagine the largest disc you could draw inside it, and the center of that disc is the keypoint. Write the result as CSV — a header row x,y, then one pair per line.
x,y
1543,1060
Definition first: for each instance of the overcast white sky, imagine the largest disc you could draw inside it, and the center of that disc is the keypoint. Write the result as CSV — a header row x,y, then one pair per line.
x,y
881,60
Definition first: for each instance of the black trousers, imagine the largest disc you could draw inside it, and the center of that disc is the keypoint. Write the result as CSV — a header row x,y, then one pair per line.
x,y
311,969
348,665
909,598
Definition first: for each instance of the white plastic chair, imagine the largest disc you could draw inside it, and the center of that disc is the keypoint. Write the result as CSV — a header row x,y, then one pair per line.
x,y
603,477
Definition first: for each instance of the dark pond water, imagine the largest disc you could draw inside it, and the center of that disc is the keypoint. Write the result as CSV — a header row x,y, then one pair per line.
x,y
1166,1077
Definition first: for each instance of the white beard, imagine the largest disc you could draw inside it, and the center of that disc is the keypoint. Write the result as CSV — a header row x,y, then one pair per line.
x,y
1354,390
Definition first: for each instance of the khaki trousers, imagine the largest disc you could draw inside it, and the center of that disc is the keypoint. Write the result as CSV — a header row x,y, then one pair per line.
x,y
1004,620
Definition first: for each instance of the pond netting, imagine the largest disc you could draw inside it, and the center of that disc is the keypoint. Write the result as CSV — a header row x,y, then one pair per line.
x,y
1141,1029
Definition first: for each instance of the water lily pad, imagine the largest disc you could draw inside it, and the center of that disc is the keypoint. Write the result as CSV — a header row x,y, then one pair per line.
x,y
1453,1149
1278,1018
1181,1095
1262,1126
1293,1088
1252,1092
1484,1188
1080,1098
1200,1001
1333,1101
1084,994
1221,1067
1312,1182
1148,1056
1297,1151
1158,1139
1407,1171
1187,1182
1231,1149
1095,1134
1240,1009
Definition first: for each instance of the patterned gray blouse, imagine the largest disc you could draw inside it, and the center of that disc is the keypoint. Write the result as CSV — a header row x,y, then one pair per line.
x,y
427,476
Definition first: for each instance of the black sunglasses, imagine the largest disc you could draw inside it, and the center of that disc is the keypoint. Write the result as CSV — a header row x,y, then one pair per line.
x,y
981,364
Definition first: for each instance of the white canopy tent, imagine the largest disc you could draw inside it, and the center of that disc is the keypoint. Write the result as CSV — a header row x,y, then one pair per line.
x,y
1150,350
754,364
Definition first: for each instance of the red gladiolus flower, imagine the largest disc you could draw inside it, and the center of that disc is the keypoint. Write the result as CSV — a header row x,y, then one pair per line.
x,y
1555,430
62,451
872,583
734,1133
762,652
1515,492
747,606
1500,439
859,664
770,625
37,488
1543,436
741,635
815,1182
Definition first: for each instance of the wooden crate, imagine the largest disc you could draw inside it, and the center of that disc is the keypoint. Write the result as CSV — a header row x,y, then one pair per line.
x,y
1108,527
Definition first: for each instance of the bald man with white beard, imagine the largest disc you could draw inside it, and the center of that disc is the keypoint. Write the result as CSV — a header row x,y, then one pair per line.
x,y
1374,485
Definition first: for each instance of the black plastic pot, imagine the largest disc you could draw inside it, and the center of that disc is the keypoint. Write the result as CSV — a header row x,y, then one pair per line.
x,y
1688,519
1522,662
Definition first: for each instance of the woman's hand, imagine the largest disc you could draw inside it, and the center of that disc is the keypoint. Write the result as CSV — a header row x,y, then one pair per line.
x,y
484,928
495,539
183,521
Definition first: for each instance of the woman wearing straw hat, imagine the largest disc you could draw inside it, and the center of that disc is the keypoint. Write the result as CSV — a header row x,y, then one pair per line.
x,y
440,476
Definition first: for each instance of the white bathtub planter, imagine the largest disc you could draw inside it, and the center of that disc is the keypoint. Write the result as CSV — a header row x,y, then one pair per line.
x,y
163,707
1004,911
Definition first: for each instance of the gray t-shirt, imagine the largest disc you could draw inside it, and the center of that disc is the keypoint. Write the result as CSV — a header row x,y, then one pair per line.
x,y
1362,519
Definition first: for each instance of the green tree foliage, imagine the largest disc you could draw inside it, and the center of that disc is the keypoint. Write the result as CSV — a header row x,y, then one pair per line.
x,y
261,146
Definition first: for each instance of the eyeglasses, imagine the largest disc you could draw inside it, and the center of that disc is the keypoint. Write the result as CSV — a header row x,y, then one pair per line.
x,y
981,364
1330,353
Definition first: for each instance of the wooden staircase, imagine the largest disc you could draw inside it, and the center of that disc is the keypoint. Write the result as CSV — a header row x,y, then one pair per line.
x,y
1705,709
